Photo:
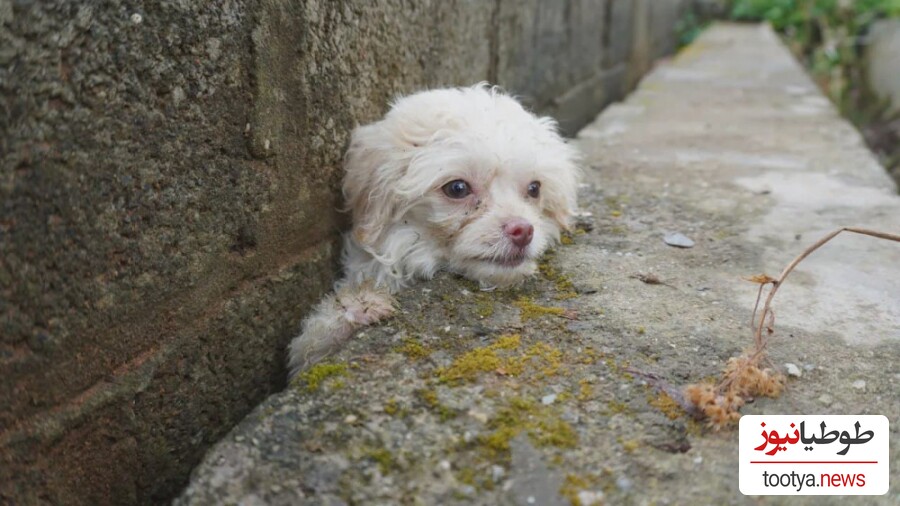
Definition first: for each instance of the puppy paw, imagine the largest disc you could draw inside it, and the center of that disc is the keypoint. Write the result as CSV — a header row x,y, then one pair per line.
x,y
333,322
366,305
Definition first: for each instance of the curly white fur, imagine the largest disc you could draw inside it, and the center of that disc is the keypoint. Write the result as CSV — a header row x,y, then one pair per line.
x,y
406,226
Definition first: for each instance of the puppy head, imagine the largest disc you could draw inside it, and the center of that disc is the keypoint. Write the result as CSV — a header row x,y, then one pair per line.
x,y
462,179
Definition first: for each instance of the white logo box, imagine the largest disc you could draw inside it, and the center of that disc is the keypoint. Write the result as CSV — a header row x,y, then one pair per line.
x,y
795,455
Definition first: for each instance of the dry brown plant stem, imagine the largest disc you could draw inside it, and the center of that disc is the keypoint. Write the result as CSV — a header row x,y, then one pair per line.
x,y
776,283
744,376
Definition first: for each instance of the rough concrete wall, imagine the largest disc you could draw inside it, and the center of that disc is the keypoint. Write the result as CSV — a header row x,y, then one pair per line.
x,y
169,187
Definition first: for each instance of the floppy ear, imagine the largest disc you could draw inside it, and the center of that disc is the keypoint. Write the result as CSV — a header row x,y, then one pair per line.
x,y
373,168
379,159
563,174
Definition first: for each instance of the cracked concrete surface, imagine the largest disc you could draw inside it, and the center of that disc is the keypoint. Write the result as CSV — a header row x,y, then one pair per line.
x,y
500,398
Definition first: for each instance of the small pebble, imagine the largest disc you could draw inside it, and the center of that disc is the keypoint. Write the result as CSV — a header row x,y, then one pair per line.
x,y
859,384
467,490
826,399
350,419
444,465
590,497
623,483
793,370
678,240
239,438
548,399
276,489
478,415
137,18
698,459
497,473
530,499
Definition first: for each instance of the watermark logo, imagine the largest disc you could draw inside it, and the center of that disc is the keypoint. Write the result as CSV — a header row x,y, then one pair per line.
x,y
813,455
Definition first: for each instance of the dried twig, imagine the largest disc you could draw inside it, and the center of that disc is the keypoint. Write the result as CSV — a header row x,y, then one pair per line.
x,y
744,376
776,283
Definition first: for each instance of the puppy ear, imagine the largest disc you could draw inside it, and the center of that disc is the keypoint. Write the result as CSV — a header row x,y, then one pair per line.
x,y
374,166
561,188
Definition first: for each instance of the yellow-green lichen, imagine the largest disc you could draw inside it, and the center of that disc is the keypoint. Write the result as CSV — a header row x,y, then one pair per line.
x,y
413,349
531,311
585,390
572,485
391,407
484,305
313,378
542,424
616,407
430,399
550,358
667,405
469,365
383,457
466,475
631,445
565,289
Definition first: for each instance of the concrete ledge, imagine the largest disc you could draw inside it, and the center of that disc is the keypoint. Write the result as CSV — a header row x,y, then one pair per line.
x,y
503,398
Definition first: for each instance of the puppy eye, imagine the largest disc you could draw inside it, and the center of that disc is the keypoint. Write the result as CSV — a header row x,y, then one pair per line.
x,y
457,189
534,189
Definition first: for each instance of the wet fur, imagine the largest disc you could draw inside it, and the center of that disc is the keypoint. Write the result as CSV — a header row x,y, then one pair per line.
x,y
405,228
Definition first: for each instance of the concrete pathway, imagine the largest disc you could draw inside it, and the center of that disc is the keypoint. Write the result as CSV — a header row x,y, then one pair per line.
x,y
503,398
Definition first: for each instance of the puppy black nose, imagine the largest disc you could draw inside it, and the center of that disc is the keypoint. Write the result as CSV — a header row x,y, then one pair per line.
x,y
519,232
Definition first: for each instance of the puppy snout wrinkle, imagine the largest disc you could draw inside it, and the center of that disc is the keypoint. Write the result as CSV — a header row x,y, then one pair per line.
x,y
519,232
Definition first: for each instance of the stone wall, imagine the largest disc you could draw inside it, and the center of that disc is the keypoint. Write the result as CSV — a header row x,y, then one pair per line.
x,y
169,192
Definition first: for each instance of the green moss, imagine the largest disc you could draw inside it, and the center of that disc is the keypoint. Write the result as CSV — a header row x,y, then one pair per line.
x,y
631,445
430,399
531,311
469,365
413,349
667,405
542,424
467,475
566,239
585,390
507,342
565,289
572,485
484,305
616,407
313,378
383,457
391,407
550,358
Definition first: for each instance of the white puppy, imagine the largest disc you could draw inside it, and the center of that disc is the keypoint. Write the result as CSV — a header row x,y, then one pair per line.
x,y
463,180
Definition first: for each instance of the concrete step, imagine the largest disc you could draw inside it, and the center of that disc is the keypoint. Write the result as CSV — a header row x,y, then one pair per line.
x,y
729,144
